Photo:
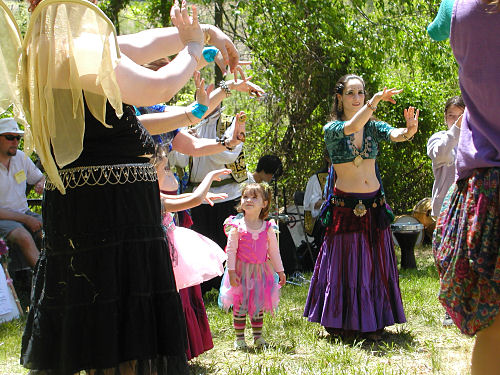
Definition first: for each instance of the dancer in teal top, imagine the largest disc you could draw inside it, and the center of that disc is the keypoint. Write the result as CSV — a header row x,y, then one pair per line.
x,y
355,286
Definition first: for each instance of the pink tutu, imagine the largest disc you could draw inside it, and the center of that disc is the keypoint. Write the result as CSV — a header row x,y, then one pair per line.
x,y
196,258
258,290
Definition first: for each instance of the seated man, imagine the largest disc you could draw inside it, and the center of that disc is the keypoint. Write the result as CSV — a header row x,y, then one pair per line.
x,y
18,225
268,166
313,199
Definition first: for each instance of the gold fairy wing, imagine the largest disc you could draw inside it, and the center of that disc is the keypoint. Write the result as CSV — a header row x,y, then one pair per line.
x,y
10,51
69,53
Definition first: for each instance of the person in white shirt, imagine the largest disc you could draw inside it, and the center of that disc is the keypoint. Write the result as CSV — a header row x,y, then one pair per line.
x,y
18,224
441,148
208,220
268,166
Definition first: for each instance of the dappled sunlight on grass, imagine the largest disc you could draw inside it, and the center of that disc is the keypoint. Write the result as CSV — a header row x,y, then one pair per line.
x,y
420,346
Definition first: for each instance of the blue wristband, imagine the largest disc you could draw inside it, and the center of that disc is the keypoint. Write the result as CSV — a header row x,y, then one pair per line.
x,y
209,53
198,110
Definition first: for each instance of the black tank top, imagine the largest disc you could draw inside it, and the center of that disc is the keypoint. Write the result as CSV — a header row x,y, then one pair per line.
x,y
127,141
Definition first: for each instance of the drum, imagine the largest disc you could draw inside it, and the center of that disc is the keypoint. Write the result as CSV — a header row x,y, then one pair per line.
x,y
407,232
423,213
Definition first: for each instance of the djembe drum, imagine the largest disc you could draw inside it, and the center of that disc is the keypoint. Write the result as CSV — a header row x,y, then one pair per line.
x,y
407,230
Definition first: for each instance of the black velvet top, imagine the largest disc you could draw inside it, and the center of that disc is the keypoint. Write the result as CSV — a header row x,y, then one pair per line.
x,y
127,141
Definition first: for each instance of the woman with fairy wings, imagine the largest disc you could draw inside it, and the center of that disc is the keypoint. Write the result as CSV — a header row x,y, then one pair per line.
x,y
104,297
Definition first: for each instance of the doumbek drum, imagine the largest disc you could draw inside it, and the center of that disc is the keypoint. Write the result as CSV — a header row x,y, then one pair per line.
x,y
407,230
422,212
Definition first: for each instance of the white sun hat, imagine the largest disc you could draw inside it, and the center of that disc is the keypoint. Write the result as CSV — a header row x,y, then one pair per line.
x,y
9,125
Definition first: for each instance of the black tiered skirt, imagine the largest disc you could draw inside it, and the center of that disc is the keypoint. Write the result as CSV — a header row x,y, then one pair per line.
x,y
104,293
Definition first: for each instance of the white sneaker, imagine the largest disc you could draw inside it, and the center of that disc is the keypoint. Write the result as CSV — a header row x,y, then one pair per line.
x,y
260,343
240,344
447,321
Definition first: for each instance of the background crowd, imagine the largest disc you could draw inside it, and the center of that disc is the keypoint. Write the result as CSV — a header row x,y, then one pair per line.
x,y
115,168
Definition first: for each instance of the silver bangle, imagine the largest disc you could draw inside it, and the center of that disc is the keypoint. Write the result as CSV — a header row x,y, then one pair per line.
x,y
223,85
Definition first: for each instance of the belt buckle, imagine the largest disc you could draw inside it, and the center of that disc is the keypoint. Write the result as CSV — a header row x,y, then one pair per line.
x,y
360,209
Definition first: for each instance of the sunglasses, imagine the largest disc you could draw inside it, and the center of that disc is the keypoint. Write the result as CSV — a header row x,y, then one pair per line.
x,y
11,137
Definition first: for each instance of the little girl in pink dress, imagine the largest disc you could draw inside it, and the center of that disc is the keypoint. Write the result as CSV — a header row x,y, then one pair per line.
x,y
250,284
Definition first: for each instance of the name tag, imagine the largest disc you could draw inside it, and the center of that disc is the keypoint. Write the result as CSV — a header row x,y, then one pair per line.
x,y
20,176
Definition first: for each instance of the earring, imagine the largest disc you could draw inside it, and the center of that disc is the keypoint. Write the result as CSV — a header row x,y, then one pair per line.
x,y
340,106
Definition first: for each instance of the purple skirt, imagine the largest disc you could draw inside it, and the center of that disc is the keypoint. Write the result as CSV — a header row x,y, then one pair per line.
x,y
355,283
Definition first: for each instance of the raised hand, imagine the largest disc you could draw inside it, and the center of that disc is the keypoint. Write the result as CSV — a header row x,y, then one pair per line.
x,y
202,94
188,27
387,95
210,197
226,47
239,130
216,174
244,85
219,60
411,117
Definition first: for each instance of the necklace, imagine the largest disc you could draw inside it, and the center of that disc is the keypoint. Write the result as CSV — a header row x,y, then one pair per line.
x,y
358,155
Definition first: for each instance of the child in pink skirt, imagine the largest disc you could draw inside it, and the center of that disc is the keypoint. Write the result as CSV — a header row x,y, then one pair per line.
x,y
250,283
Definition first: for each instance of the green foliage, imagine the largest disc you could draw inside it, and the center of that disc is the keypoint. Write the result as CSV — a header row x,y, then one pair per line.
x,y
158,12
112,9
300,49
9,112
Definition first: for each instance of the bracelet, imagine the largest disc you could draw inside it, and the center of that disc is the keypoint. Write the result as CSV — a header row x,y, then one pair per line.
x,y
198,110
371,106
406,138
206,34
186,112
209,53
223,85
223,142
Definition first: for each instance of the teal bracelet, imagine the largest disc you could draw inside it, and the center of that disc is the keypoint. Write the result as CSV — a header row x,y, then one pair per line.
x,y
198,110
209,53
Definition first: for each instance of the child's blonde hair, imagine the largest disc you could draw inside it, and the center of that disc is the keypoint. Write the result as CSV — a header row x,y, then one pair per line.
x,y
265,192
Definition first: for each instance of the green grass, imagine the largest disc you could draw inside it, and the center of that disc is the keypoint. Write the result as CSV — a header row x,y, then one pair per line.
x,y
420,346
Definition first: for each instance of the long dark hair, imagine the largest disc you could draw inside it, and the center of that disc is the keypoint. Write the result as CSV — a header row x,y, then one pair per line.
x,y
336,114
456,101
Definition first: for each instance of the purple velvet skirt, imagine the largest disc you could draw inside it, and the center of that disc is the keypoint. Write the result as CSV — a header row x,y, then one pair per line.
x,y
355,283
